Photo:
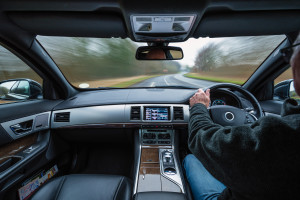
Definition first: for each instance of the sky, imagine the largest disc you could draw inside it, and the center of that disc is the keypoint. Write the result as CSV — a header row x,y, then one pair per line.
x,y
190,49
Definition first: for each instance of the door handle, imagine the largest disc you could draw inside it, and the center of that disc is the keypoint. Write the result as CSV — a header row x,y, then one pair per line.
x,y
22,127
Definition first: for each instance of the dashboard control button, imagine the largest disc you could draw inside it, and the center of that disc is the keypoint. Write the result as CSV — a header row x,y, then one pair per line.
x,y
150,142
149,136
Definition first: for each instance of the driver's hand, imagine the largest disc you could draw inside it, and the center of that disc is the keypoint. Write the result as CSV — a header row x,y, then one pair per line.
x,y
201,97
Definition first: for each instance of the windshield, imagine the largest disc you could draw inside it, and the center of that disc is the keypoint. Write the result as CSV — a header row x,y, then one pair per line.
x,y
94,62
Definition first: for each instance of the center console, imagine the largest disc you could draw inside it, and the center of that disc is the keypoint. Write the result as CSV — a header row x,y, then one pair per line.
x,y
159,167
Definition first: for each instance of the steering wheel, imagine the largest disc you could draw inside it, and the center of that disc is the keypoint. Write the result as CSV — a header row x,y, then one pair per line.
x,y
232,116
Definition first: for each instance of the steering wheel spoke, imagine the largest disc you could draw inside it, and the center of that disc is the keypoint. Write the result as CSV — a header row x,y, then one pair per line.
x,y
228,115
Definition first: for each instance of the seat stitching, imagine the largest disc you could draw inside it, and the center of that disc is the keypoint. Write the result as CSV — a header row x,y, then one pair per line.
x,y
118,187
60,187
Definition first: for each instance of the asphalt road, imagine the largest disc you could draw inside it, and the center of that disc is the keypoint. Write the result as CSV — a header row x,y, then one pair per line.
x,y
174,80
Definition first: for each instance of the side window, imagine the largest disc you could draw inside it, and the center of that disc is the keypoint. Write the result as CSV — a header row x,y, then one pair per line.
x,y
284,86
18,82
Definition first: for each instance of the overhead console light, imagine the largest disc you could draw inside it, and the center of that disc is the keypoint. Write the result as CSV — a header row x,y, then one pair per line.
x,y
165,27
162,24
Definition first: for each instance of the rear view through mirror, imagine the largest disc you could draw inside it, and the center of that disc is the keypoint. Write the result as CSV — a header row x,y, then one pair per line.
x,y
159,53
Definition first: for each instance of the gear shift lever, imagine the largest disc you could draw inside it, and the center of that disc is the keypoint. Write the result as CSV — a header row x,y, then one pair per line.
x,y
168,162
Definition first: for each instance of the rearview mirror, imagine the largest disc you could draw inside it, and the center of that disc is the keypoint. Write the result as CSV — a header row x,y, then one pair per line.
x,y
159,53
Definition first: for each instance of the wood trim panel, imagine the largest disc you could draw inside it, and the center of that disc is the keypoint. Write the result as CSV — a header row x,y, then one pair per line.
x,y
16,146
149,161
149,168
149,155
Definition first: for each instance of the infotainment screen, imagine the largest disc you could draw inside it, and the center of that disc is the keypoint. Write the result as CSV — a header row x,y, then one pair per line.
x,y
156,113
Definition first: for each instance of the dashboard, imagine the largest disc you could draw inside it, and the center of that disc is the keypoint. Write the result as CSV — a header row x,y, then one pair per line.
x,y
125,115
127,108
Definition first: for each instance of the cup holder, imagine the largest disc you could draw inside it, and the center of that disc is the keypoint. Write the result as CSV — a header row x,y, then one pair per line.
x,y
169,171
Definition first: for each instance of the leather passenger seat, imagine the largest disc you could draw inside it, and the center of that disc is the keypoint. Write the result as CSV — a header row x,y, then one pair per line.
x,y
86,187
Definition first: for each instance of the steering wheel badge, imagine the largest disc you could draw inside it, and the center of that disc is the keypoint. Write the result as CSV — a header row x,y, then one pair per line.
x,y
229,116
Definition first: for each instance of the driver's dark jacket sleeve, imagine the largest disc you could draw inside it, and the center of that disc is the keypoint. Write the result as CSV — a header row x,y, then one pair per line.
x,y
260,161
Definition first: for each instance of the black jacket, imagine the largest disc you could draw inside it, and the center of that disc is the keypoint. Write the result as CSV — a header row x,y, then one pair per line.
x,y
255,162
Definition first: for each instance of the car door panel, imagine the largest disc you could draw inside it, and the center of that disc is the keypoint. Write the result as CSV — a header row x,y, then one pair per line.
x,y
9,152
4,137
23,152
22,109
26,125
17,155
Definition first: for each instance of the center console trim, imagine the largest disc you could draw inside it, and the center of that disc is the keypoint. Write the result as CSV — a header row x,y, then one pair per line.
x,y
176,179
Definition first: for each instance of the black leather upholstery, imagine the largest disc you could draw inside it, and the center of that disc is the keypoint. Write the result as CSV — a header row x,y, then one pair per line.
x,y
86,187
159,196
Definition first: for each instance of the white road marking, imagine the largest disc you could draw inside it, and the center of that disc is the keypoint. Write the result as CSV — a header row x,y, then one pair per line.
x,y
180,77
166,80
152,84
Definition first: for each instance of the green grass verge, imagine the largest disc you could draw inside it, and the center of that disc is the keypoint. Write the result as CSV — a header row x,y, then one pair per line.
x,y
126,84
214,79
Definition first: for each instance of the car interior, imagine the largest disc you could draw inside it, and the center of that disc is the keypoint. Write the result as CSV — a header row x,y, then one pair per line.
x,y
67,142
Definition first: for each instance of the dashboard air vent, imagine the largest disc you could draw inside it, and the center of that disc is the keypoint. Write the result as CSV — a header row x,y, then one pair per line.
x,y
178,113
135,113
62,117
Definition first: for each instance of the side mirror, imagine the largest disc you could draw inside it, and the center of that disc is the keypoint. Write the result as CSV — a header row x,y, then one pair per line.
x,y
20,89
292,92
5,88
159,53
36,91
284,90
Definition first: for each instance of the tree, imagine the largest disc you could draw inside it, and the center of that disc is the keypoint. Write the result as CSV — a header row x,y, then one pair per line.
x,y
207,57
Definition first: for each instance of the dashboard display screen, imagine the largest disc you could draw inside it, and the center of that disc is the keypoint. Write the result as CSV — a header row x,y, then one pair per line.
x,y
156,113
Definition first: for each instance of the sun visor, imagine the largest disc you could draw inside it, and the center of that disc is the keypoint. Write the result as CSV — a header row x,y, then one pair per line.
x,y
74,24
248,23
